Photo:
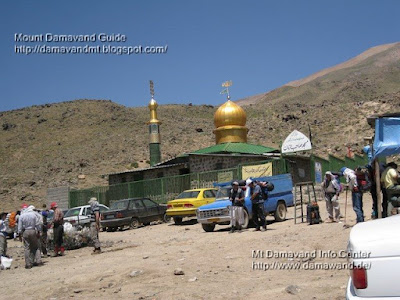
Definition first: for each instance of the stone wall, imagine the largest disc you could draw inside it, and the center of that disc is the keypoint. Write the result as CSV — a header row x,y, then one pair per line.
x,y
204,163
143,175
59,195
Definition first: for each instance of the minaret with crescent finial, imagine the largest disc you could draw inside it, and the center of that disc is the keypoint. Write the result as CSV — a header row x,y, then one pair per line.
x,y
154,130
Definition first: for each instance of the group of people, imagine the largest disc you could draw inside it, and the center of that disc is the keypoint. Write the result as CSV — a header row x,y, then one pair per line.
x,y
360,181
236,196
32,226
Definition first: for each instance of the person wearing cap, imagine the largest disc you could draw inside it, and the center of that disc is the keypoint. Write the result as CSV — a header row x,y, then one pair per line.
x,y
58,229
95,224
30,227
236,196
331,189
257,205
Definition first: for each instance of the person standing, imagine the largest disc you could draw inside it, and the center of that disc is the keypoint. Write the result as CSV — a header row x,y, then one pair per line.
x,y
30,227
58,229
236,196
43,237
257,205
3,234
356,194
95,224
331,189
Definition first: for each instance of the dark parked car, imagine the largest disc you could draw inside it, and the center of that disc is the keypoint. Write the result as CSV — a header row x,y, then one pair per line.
x,y
132,213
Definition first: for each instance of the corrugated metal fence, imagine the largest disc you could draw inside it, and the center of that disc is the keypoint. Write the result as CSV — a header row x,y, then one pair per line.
x,y
320,165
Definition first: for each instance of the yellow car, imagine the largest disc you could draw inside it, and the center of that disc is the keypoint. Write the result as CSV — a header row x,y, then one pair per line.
x,y
187,202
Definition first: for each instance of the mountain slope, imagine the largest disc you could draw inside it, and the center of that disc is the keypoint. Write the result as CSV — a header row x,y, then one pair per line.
x,y
50,145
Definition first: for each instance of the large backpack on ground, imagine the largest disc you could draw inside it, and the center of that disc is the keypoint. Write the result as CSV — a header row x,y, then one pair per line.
x,y
313,216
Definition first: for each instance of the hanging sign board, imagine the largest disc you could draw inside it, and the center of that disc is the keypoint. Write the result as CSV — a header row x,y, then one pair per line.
x,y
257,170
296,141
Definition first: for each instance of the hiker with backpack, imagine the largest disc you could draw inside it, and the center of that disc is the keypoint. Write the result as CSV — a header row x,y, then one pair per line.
x,y
331,188
256,196
236,195
358,183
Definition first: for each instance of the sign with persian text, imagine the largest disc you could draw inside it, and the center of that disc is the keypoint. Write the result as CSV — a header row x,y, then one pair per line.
x,y
295,142
257,170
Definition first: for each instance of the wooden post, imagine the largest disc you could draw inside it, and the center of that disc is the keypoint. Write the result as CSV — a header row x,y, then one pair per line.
x,y
378,189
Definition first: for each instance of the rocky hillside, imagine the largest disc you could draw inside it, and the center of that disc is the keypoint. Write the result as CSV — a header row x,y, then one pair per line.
x,y
50,145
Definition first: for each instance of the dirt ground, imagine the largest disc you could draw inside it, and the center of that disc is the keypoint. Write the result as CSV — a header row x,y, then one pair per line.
x,y
216,265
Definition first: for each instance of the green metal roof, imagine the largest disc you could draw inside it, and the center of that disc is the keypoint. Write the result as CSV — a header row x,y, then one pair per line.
x,y
242,148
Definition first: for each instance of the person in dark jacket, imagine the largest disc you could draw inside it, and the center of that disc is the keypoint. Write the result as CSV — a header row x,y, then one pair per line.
x,y
58,229
257,205
236,210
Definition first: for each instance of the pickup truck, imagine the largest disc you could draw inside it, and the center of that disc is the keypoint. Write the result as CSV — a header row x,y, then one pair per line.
x,y
278,200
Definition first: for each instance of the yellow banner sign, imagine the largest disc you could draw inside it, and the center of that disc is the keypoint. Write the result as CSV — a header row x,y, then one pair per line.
x,y
257,170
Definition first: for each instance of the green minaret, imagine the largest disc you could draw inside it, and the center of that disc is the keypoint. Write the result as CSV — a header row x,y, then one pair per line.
x,y
154,130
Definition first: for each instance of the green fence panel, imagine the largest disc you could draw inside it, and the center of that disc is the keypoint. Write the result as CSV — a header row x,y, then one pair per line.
x,y
361,160
336,163
163,189
319,166
350,163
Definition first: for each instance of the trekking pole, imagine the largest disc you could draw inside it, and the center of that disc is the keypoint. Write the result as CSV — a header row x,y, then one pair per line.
x,y
345,211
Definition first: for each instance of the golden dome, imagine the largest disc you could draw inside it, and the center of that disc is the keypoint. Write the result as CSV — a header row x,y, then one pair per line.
x,y
229,114
230,121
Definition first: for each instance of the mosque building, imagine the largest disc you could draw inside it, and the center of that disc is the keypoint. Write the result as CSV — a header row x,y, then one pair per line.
x,y
230,150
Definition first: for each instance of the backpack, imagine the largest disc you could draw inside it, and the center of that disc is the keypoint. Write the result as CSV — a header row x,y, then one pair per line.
x,y
265,188
12,219
313,216
363,183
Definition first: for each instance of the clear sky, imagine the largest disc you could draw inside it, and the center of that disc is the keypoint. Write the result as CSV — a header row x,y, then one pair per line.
x,y
259,45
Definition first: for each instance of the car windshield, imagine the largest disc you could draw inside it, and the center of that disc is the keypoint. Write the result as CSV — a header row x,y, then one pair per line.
x,y
188,194
73,212
223,193
119,205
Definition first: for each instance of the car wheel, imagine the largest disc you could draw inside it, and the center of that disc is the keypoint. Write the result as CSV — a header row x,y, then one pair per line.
x,y
134,223
178,220
208,227
246,219
166,218
280,212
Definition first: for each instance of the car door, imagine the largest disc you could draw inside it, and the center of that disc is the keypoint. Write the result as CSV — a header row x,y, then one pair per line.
x,y
87,214
152,209
137,210
209,196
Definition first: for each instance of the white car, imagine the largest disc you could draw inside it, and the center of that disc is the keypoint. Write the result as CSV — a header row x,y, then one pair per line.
x,y
81,215
374,251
